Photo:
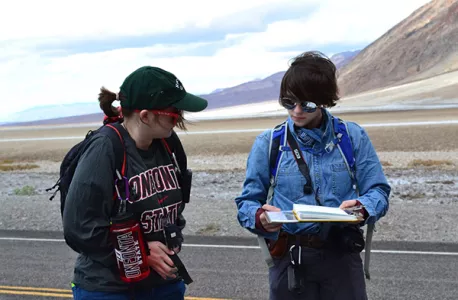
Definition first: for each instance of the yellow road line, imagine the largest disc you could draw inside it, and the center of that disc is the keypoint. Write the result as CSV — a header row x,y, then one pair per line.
x,y
62,293
26,288
11,292
198,298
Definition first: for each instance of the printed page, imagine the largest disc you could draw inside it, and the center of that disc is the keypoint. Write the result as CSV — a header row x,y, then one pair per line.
x,y
312,213
281,217
299,208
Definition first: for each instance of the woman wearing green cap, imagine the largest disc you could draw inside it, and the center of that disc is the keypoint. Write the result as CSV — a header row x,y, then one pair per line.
x,y
152,104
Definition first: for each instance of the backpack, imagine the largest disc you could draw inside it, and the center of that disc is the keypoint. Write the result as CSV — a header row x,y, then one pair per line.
x,y
341,140
114,132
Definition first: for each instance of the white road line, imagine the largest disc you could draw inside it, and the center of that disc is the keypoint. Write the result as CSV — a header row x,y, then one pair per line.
x,y
31,239
372,251
237,131
410,123
415,252
243,247
222,131
43,139
220,246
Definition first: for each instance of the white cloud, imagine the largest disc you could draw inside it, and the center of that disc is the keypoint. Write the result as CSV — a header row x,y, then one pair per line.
x,y
87,18
78,77
337,22
31,78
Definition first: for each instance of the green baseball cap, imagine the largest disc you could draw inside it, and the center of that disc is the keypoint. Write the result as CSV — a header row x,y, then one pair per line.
x,y
154,88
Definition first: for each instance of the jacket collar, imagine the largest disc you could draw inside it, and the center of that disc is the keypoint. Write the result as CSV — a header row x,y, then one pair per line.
x,y
326,134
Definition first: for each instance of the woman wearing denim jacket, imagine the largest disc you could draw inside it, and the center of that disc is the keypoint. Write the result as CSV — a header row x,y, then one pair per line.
x,y
326,271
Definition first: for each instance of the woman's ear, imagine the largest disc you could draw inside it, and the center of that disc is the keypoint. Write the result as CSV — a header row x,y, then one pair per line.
x,y
144,116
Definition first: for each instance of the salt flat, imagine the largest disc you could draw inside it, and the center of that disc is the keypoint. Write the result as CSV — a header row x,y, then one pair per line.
x,y
423,205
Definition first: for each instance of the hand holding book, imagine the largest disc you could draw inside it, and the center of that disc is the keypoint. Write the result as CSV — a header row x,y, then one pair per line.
x,y
266,225
355,207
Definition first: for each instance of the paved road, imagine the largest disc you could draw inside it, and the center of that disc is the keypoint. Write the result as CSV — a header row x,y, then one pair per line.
x,y
227,267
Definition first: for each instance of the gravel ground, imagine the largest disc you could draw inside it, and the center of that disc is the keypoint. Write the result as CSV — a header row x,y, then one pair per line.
x,y
423,205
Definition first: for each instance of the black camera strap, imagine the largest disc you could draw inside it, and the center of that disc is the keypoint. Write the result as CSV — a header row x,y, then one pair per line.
x,y
182,272
303,167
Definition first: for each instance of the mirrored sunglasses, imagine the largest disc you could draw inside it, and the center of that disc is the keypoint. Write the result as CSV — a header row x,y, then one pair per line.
x,y
290,104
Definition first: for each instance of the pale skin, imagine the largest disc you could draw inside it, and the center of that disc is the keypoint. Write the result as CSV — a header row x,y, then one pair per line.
x,y
309,121
143,127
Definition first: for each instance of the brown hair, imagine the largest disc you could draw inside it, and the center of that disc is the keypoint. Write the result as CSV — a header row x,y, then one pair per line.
x,y
107,97
311,77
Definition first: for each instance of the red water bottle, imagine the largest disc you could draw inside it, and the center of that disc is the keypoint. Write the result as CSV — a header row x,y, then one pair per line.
x,y
130,249
127,238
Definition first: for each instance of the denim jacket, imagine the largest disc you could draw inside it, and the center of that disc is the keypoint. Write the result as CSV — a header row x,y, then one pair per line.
x,y
330,178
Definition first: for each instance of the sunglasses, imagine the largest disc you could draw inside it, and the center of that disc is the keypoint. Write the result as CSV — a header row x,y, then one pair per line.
x,y
290,104
174,116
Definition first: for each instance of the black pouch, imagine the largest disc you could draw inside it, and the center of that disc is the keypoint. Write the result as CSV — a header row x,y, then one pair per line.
x,y
173,236
346,238
186,185
296,281
352,239
181,222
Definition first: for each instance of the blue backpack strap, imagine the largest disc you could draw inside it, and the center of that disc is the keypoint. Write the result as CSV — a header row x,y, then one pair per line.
x,y
278,138
343,142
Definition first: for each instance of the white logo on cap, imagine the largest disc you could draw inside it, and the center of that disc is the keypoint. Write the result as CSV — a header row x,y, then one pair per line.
x,y
178,85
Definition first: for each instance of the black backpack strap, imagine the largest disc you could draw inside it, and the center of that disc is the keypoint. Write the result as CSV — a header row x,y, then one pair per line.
x,y
177,154
176,151
116,134
300,160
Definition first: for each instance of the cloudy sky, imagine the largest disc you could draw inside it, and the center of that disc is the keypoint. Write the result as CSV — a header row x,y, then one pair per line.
x,y
60,52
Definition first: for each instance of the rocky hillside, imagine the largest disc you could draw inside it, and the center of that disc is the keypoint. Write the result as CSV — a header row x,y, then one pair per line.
x,y
423,45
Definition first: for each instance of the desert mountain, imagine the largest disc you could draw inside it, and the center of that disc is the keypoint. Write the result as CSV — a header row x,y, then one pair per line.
x,y
344,58
423,45
248,92
264,89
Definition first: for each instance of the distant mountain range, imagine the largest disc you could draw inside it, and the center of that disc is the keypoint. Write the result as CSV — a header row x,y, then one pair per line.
x,y
51,111
262,89
423,45
257,90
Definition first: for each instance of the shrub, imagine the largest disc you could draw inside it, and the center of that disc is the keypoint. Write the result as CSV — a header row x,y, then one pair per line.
x,y
25,191
429,163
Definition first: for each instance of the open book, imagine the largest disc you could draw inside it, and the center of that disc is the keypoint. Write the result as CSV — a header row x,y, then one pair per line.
x,y
311,213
